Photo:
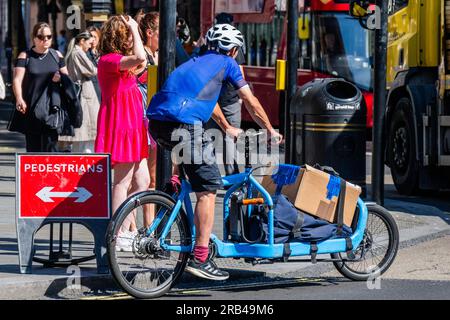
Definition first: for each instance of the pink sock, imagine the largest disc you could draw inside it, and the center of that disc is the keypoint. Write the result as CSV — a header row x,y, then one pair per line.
x,y
201,253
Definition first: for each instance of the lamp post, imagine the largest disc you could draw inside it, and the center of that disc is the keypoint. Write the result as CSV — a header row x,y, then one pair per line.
x,y
167,43
360,9
381,42
292,58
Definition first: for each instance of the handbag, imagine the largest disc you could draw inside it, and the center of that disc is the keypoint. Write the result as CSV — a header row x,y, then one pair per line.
x,y
17,122
55,119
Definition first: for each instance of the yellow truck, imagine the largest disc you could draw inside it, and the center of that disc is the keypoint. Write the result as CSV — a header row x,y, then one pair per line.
x,y
417,118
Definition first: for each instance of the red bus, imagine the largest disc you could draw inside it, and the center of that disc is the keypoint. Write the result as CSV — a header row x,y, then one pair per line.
x,y
337,45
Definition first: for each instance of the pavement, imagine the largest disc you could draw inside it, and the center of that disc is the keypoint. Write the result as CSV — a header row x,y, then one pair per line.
x,y
420,222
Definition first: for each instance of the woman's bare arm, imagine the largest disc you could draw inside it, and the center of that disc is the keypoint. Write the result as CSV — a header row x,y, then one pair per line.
x,y
19,74
138,57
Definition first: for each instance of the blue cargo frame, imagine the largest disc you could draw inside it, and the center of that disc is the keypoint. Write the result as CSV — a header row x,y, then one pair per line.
x,y
268,250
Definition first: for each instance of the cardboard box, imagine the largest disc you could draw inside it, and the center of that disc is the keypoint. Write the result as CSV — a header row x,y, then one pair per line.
x,y
315,192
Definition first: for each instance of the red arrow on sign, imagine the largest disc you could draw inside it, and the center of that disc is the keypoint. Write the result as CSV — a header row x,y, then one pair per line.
x,y
81,194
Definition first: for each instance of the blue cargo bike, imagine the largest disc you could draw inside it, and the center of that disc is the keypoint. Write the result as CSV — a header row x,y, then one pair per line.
x,y
161,249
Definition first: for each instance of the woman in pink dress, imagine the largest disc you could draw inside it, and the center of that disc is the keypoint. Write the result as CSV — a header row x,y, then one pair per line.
x,y
122,129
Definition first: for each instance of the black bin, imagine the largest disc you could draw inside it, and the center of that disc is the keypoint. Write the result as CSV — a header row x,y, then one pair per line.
x,y
329,128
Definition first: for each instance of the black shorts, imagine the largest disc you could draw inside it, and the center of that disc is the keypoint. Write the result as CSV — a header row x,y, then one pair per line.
x,y
191,149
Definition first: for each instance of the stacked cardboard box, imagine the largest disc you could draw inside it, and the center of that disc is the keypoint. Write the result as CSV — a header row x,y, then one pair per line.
x,y
316,192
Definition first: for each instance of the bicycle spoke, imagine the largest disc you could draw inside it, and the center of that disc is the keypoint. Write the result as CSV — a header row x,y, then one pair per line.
x,y
378,260
379,226
379,247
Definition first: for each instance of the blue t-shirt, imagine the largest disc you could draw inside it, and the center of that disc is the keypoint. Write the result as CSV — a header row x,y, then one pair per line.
x,y
191,92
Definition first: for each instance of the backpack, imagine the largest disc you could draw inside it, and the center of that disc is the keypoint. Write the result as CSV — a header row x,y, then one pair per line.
x,y
287,221
292,225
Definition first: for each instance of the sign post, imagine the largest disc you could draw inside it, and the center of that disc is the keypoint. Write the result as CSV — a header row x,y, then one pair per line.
x,y
60,188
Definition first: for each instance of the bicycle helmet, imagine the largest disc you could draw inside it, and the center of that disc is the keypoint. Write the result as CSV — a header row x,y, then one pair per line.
x,y
224,37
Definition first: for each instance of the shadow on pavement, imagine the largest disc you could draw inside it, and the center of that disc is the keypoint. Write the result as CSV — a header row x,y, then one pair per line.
x,y
8,247
74,287
7,195
261,285
420,207
425,203
11,179
11,140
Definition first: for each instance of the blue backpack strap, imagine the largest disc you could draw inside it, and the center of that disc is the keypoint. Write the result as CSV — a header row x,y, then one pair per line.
x,y
340,219
340,207
286,251
313,252
296,230
349,248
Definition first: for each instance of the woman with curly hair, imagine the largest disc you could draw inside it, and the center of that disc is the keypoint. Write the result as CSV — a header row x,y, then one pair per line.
x,y
122,130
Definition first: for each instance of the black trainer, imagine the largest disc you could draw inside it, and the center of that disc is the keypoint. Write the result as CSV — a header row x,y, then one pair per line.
x,y
206,270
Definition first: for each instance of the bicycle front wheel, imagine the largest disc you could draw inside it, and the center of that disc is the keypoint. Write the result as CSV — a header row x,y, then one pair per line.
x,y
138,263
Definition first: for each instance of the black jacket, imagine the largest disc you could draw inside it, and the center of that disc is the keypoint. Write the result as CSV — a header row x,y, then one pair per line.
x,y
58,109
71,102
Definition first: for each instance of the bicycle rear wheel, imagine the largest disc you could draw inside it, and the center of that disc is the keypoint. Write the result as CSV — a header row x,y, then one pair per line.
x,y
377,250
143,269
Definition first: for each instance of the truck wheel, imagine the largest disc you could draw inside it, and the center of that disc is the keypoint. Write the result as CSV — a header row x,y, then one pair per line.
x,y
402,149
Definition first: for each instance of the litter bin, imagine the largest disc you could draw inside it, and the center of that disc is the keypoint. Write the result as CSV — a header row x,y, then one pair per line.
x,y
329,128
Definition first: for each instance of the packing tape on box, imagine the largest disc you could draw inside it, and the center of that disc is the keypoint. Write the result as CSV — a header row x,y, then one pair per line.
x,y
285,174
333,187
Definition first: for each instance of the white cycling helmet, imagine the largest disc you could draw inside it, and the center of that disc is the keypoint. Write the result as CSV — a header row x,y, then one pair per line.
x,y
225,37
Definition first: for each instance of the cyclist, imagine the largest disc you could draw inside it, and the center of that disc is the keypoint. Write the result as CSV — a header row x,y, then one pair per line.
x,y
187,100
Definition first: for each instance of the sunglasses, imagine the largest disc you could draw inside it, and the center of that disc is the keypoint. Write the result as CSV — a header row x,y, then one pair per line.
x,y
42,37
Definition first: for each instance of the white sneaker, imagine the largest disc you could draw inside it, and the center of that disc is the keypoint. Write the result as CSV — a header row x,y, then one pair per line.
x,y
125,241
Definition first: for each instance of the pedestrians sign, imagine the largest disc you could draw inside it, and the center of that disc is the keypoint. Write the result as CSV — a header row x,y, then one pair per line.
x,y
62,188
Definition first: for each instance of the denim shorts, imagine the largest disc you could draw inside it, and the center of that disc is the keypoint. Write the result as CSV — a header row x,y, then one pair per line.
x,y
191,149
